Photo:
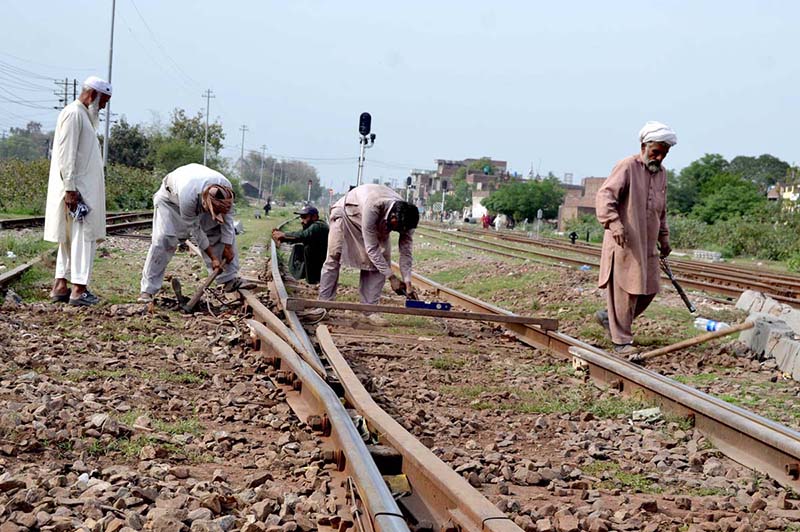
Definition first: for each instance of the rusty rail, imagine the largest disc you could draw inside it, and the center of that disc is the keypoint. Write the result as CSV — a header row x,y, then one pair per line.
x,y
745,437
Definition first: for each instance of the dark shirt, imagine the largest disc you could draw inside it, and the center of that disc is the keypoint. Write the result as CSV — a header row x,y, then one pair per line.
x,y
315,243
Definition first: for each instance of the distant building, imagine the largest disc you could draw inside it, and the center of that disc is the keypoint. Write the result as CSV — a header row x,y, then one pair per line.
x,y
428,184
579,199
251,191
787,194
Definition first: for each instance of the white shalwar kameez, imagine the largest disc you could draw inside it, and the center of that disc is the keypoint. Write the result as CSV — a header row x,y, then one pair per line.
x,y
76,165
178,216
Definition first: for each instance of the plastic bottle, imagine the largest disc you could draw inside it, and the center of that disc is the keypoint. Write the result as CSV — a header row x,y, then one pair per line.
x,y
709,325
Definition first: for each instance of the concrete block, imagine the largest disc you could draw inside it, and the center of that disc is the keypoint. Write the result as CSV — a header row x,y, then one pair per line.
x,y
792,318
785,353
757,338
750,301
772,307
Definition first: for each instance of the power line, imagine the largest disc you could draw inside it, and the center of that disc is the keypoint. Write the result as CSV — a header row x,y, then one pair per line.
x,y
158,43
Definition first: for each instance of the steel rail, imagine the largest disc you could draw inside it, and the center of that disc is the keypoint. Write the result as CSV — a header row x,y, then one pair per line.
x,y
733,289
452,502
384,513
294,322
744,436
15,273
35,221
790,284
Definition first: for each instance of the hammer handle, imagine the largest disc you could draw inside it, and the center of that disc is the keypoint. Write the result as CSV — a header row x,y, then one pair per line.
x,y
210,279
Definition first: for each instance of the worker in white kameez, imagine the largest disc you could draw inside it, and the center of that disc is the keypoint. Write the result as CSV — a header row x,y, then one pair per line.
x,y
360,225
75,215
193,201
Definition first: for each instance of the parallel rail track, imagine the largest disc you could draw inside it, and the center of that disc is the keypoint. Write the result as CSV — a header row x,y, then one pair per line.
x,y
38,221
750,439
121,226
725,280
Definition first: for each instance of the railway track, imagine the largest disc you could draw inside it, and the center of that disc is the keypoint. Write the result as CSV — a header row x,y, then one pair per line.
x,y
117,224
38,221
725,280
747,438
426,494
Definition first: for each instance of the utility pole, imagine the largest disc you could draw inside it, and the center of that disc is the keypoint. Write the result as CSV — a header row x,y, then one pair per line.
x,y
308,200
207,95
62,99
243,129
272,184
261,173
74,89
110,62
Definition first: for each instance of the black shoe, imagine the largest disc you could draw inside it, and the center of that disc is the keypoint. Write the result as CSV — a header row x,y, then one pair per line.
x,y
59,298
86,299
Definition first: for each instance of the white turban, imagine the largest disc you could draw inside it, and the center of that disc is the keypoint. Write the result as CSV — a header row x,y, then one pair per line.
x,y
657,132
98,84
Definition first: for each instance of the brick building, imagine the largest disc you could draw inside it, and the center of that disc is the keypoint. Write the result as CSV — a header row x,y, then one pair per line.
x,y
579,199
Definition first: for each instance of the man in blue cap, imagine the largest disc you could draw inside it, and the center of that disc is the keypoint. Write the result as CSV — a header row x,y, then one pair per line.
x,y
314,241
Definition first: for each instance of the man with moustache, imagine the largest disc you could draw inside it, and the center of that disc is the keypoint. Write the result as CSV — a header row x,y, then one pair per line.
x,y
631,205
75,215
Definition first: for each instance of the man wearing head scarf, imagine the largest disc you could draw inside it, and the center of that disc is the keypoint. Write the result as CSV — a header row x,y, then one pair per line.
x,y
631,205
193,201
360,226
75,214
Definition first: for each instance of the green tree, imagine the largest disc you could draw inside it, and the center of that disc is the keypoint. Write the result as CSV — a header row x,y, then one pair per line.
x,y
764,170
290,192
192,130
727,196
523,199
129,146
26,144
685,189
172,153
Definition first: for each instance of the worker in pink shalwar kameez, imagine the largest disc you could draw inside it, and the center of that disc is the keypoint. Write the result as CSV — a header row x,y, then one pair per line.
x,y
360,225
631,205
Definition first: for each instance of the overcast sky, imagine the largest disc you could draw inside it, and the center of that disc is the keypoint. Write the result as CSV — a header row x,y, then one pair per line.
x,y
563,86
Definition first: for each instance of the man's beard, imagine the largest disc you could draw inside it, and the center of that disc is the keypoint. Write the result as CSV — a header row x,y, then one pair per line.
x,y
652,166
94,111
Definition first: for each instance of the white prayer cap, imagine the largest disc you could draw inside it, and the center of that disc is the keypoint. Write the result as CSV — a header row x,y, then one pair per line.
x,y
657,132
98,84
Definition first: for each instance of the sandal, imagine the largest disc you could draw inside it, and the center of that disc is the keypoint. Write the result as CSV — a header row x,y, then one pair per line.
x,y
59,298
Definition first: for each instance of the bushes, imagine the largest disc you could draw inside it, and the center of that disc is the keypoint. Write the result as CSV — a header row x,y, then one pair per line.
x,y
23,187
583,224
687,233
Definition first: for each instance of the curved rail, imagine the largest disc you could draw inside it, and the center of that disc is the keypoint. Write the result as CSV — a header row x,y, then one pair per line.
x,y
748,438
384,512
291,316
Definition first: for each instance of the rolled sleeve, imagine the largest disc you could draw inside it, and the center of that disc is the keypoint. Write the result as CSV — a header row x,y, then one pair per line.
x,y
227,230
405,243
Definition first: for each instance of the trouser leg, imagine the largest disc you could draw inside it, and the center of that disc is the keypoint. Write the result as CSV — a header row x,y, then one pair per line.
x,y
642,302
329,277
81,255
162,248
370,284
621,308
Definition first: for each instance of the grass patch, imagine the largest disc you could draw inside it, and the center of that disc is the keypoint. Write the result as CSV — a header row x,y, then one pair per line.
x,y
182,377
25,247
95,374
619,478
34,284
699,379
580,399
446,363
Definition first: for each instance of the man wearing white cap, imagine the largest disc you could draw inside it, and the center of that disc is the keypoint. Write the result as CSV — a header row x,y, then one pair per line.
x,y
631,205
75,214
193,201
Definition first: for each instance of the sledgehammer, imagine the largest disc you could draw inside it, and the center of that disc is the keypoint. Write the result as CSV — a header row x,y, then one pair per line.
x,y
188,308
